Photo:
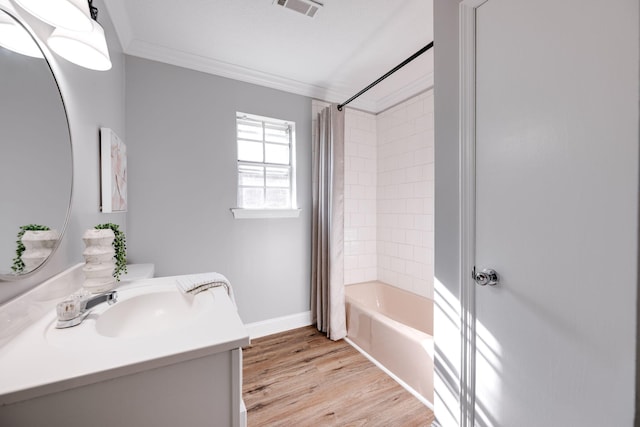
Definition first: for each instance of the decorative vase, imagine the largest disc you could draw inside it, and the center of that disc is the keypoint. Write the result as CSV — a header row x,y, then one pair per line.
x,y
99,261
38,245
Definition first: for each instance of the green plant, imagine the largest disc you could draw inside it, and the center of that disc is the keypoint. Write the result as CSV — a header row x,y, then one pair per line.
x,y
120,246
18,264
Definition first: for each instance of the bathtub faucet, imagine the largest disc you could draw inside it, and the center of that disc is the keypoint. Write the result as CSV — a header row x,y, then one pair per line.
x,y
73,310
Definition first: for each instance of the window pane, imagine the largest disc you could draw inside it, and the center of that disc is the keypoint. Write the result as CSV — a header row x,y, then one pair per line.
x,y
265,166
251,198
276,153
278,198
278,177
250,151
249,129
251,176
274,132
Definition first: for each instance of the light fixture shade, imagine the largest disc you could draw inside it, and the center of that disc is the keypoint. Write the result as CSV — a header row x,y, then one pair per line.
x,y
72,15
14,37
87,49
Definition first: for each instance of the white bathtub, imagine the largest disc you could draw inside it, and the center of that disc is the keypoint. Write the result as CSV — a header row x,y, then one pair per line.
x,y
394,327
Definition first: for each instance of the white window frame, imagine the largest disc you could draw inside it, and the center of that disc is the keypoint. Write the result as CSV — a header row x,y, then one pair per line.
x,y
290,212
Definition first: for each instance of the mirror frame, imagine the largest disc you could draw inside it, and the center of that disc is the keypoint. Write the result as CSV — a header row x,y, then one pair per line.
x,y
47,55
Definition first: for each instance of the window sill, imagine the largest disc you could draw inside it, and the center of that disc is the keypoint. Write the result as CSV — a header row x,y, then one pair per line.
x,y
239,213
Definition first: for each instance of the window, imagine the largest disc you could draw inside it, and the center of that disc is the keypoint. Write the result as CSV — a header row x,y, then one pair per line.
x,y
266,163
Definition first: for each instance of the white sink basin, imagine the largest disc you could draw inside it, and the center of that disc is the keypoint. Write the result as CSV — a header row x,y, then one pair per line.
x,y
149,313
140,312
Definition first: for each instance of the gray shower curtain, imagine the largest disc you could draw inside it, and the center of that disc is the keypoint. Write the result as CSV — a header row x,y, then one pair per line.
x,y
327,265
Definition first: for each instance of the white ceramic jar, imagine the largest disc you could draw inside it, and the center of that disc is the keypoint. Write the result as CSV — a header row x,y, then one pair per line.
x,y
99,260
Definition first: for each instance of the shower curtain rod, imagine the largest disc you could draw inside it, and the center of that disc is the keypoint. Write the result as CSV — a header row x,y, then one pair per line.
x,y
396,68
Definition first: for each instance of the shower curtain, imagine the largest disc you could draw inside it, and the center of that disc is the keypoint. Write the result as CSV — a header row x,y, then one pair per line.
x,y
327,266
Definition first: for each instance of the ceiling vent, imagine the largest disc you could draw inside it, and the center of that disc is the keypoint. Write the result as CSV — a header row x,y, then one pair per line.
x,y
305,7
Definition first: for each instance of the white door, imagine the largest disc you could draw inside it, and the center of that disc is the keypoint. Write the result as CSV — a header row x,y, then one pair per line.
x,y
556,217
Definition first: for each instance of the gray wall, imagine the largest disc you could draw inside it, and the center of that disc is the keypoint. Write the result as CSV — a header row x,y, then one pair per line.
x,y
182,183
447,230
93,99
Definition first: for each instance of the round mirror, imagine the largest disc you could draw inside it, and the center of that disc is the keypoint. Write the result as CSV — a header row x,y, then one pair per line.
x,y
35,154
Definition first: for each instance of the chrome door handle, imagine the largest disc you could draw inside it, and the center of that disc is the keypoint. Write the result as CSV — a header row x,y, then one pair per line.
x,y
486,277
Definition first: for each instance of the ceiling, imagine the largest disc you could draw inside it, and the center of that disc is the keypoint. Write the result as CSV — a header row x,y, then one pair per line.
x,y
345,47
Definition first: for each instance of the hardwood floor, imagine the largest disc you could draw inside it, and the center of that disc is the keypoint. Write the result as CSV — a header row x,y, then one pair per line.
x,y
301,378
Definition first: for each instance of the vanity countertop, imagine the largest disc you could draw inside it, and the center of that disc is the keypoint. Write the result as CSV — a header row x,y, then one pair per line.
x,y
41,359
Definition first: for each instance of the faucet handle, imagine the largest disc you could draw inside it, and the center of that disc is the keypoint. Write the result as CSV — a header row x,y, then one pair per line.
x,y
70,308
73,305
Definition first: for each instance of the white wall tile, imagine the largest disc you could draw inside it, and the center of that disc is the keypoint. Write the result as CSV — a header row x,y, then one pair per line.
x,y
360,196
405,195
389,195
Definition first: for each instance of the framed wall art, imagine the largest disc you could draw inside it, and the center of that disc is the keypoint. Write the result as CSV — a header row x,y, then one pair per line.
x,y
113,162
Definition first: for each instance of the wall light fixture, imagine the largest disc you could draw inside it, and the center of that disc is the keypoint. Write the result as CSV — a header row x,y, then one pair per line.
x,y
70,14
14,37
77,36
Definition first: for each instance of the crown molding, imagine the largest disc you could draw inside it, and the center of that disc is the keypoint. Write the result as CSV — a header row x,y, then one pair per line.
x,y
192,61
135,47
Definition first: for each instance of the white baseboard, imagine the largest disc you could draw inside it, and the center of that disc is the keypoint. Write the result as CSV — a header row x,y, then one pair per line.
x,y
279,324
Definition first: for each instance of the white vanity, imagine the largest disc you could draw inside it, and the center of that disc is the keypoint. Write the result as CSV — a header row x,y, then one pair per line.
x,y
157,357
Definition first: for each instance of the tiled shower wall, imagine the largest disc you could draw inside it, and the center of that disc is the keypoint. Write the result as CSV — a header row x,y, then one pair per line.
x,y
388,223
360,228
405,188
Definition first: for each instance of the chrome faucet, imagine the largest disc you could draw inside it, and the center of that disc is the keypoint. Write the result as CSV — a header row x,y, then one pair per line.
x,y
72,311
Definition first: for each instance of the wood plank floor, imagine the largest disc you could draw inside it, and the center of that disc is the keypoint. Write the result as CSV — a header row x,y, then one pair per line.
x,y
301,378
